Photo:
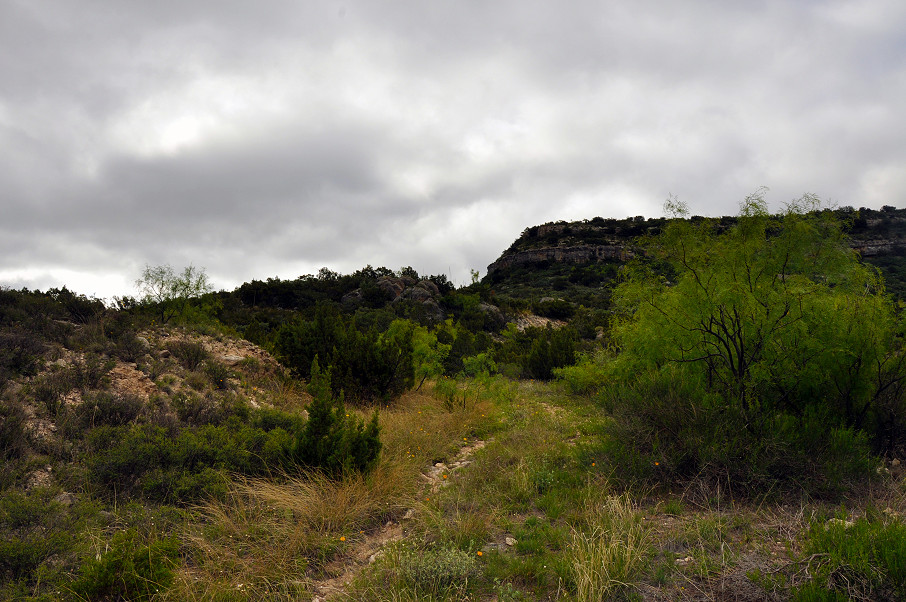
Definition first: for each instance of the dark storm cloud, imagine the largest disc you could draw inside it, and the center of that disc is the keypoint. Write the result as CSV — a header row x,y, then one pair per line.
x,y
278,137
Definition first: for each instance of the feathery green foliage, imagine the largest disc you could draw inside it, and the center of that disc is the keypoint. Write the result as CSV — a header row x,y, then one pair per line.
x,y
770,328
333,439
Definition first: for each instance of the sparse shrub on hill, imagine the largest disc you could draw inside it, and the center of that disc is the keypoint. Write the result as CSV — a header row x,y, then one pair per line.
x,y
115,409
190,354
188,461
13,440
167,292
20,354
556,309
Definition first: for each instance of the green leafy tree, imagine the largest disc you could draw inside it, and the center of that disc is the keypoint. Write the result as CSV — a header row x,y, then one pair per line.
x,y
428,355
170,291
774,314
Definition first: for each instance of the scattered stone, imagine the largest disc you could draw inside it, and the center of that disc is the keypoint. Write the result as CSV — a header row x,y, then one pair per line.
x,y
65,498
145,343
837,521
510,541
231,359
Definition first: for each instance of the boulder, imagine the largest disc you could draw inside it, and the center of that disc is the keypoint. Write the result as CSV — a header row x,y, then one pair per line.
x,y
429,286
493,312
394,287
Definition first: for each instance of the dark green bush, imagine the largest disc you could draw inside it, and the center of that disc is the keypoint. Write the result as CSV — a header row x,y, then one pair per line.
x,y
131,569
21,555
667,429
333,440
20,353
184,465
553,348
367,365
556,309
37,546
219,374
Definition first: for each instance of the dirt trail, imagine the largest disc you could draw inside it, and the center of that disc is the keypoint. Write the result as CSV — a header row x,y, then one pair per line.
x,y
367,551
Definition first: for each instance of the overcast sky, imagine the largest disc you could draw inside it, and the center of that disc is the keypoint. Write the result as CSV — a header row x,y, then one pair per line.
x,y
271,138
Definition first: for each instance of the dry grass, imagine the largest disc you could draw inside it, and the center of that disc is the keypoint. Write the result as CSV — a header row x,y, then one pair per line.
x,y
609,559
271,538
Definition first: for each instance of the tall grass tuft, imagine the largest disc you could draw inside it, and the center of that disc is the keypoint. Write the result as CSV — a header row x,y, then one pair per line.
x,y
607,560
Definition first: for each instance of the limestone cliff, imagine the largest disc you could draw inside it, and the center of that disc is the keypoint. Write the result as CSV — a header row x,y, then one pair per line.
x,y
872,233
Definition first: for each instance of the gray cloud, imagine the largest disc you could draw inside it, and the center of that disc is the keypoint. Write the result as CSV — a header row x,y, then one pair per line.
x,y
278,138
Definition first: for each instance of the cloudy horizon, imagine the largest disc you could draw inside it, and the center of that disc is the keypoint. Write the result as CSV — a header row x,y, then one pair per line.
x,y
274,138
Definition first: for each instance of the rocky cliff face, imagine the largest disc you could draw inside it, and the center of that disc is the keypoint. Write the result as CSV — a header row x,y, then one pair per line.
x,y
872,234
564,254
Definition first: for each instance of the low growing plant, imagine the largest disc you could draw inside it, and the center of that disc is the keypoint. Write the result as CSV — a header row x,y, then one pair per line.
x,y
609,558
131,569
853,560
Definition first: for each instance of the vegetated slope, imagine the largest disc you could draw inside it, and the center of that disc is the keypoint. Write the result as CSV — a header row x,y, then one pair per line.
x,y
148,461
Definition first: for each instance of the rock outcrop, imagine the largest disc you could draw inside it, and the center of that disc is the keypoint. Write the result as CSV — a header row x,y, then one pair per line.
x,y
872,234
404,288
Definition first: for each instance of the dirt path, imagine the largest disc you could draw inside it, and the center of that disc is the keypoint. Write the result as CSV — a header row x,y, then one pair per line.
x,y
367,551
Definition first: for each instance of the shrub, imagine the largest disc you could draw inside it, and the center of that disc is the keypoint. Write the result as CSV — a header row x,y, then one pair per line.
x,y
114,409
185,465
219,374
190,354
553,348
772,315
128,347
767,336
453,395
13,439
556,309
480,364
90,372
131,569
366,365
20,353
587,377
860,560
432,574
333,440
48,389
666,428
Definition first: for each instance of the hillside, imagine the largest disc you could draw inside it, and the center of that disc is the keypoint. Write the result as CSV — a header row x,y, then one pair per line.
x,y
384,436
